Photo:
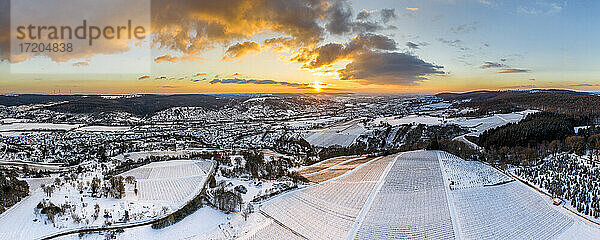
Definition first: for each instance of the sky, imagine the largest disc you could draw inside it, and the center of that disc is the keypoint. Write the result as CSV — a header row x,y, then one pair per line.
x,y
377,46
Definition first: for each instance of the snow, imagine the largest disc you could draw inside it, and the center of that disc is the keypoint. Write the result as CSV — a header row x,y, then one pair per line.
x,y
21,126
323,211
506,210
202,224
163,187
312,122
461,174
342,134
12,120
35,183
17,222
411,203
410,119
477,125
577,129
170,182
509,211
414,200
104,128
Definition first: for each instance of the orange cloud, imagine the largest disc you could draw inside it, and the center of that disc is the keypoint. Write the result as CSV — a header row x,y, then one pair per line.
x,y
514,70
169,58
80,64
240,49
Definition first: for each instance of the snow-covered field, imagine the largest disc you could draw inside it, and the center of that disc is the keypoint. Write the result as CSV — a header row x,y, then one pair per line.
x,y
410,119
22,126
203,224
343,134
410,198
507,210
324,211
480,125
411,203
477,125
462,174
514,211
104,128
171,182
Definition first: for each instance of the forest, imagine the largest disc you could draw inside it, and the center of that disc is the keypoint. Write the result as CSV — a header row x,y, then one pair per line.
x,y
12,190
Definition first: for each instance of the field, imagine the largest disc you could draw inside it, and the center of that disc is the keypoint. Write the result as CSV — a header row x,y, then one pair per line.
x,y
21,126
334,168
418,195
171,182
415,182
476,125
104,128
462,174
328,210
342,134
323,165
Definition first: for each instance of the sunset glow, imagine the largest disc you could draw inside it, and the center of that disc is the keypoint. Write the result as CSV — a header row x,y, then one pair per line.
x,y
376,47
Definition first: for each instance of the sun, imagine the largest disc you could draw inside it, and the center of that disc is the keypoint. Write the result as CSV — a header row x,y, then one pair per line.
x,y
318,86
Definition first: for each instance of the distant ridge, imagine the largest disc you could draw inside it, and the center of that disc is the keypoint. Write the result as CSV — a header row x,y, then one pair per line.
x,y
487,94
584,104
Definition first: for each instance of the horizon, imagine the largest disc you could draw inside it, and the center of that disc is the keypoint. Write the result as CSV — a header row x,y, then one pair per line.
x,y
294,93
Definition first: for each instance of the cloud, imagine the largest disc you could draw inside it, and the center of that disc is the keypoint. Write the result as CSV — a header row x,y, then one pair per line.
x,y
584,85
339,18
259,82
517,87
388,68
452,43
412,9
80,64
331,53
412,45
190,25
281,44
340,21
200,74
464,28
542,7
492,65
144,77
487,2
388,14
514,70
81,48
168,58
198,80
240,49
